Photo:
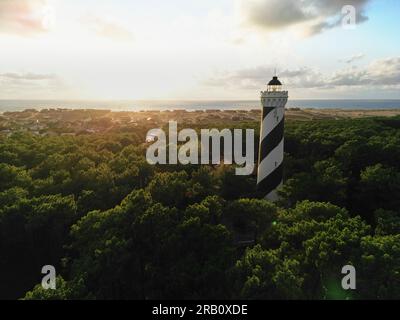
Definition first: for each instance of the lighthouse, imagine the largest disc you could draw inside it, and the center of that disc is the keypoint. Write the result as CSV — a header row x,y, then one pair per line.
x,y
270,161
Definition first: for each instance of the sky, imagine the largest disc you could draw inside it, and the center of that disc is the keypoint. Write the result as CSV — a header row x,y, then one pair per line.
x,y
198,49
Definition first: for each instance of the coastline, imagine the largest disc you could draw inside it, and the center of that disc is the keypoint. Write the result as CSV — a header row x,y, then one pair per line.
x,y
291,112
196,105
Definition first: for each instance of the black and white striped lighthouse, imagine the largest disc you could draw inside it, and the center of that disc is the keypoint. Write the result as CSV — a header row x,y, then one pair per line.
x,y
270,161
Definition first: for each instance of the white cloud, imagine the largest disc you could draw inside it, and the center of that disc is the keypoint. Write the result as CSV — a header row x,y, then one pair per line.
x,y
256,78
312,16
27,76
385,72
381,73
29,85
107,28
353,58
23,17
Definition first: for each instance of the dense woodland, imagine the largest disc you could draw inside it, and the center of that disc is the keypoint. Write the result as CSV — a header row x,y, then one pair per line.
x,y
116,227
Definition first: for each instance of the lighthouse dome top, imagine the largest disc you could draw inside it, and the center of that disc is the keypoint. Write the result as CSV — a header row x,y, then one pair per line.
x,y
275,82
275,88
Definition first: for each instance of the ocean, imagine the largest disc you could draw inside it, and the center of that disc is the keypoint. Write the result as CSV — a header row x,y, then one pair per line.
x,y
136,105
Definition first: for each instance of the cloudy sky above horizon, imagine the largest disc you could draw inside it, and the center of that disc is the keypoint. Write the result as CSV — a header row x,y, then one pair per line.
x,y
197,49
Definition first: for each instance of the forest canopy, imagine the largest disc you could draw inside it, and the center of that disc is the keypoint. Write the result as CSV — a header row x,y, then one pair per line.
x,y
116,227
